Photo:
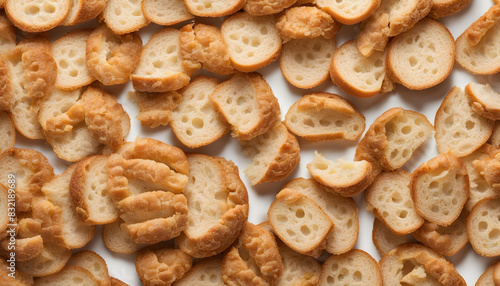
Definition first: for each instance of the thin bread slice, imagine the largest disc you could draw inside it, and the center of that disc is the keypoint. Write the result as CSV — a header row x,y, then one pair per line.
x,y
459,129
252,41
385,240
207,272
389,198
304,63
155,108
355,267
443,8
7,34
495,135
324,116
68,275
484,100
247,103
356,74
195,121
50,261
214,8
117,239
8,130
341,210
166,13
487,279
83,11
94,264
483,228
298,221
421,57
440,189
69,52
342,177
298,269
124,17
89,191
274,154
37,16
21,278
266,7
349,12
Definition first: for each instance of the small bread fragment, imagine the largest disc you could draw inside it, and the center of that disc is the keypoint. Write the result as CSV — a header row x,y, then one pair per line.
x,y
443,8
305,62
484,100
274,154
253,260
7,35
349,12
440,189
385,240
195,121
37,16
343,177
155,108
94,264
390,200
161,266
299,222
489,168
487,279
165,13
8,131
252,41
324,116
495,135
112,58
124,17
247,103
266,7
214,8
67,276
83,11
355,267
298,269
208,272
116,238
421,57
356,74
459,129
50,261
483,228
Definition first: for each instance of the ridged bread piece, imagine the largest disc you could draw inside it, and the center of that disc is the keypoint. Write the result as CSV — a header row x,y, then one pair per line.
x,y
385,240
124,17
195,121
7,35
50,261
252,41
356,74
389,198
207,272
155,108
274,154
304,63
83,11
483,227
421,57
324,116
443,8
69,52
214,8
217,206
349,12
298,221
355,267
160,66
117,239
8,131
489,168
89,191
37,16
165,13
298,269
266,7
161,265
459,129
343,177
341,210
69,275
440,189
93,263
247,103
484,100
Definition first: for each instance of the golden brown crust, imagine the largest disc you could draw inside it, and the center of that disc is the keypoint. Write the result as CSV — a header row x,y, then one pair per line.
x,y
116,238
230,7
20,19
374,33
482,100
266,7
445,8
161,266
25,248
117,282
21,278
475,32
155,108
50,261
5,89
46,220
86,11
489,168
173,81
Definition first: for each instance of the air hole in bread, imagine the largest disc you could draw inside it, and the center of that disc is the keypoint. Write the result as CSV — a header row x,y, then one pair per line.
x,y
290,232
299,58
299,77
308,122
403,214
234,37
469,125
63,64
435,208
396,197
310,56
406,130
250,54
324,122
255,42
385,214
197,123
137,13
282,218
494,234
412,61
73,73
357,276
305,230
394,153
31,10
77,280
245,40
157,64
300,213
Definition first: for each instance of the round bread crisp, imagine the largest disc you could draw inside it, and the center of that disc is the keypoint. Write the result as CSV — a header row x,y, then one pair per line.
x,y
483,227
349,12
207,272
421,57
166,13
487,278
117,239
93,263
37,15
69,275
50,261
123,16
356,268
385,240
83,11
214,8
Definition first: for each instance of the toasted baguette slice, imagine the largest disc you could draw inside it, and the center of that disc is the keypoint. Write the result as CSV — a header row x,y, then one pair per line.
x,y
274,154
8,130
117,282
50,261
83,11
440,189
165,13
207,272
195,121
7,36
89,191
355,267
385,240
341,176
217,206
324,116
69,52
247,103
124,17
483,227
421,57
495,135
155,108
21,278
356,74
117,239
94,264
214,8
305,62
484,100
487,279
252,41
68,276
443,8
298,269
350,12
298,221
160,66
459,129
37,16
266,7
341,210
389,198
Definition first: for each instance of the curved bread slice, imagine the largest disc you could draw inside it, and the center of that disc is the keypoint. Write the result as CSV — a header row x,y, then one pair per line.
x,y
94,264
8,131
214,8
487,279
195,121
117,239
305,62
161,266
324,116
208,272
341,176
37,16
421,57
355,267
83,11
50,261
349,12
8,34
21,278
389,198
459,129
123,16
385,240
252,41
117,282
443,8
484,100
274,154
266,7
165,13
155,108
68,275
440,189
483,228
298,269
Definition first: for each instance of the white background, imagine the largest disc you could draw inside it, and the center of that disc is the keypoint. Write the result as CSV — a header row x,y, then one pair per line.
x,y
468,263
